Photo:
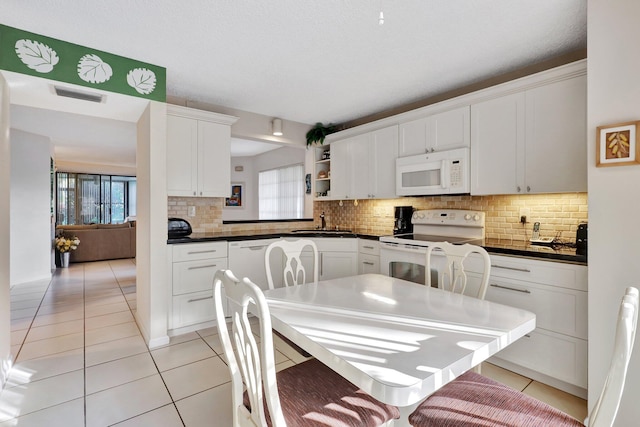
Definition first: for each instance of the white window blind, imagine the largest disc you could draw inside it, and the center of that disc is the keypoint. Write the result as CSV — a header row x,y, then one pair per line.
x,y
281,193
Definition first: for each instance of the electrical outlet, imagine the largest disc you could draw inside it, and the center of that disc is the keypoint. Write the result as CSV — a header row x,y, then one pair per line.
x,y
191,211
525,213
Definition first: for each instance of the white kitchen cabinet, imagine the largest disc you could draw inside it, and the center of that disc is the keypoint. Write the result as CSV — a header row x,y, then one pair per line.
x,y
556,137
193,266
497,145
368,256
557,294
437,132
198,152
338,257
322,171
247,259
364,165
532,141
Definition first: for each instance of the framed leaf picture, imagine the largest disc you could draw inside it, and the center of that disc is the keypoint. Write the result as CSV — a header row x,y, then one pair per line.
x,y
617,145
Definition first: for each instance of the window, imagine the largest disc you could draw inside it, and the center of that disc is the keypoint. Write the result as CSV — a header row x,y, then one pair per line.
x,y
94,199
281,193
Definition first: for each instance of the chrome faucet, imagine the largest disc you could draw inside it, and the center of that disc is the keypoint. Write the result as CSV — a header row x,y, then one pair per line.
x,y
324,223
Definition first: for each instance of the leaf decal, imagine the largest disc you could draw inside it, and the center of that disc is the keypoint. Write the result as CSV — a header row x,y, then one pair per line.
x,y
92,69
36,55
142,80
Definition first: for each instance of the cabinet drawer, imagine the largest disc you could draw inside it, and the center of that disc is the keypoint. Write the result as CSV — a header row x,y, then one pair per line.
x,y
555,355
195,251
194,276
371,247
193,308
557,309
545,272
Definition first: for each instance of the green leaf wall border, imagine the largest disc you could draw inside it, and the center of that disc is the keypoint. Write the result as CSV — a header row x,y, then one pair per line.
x,y
37,55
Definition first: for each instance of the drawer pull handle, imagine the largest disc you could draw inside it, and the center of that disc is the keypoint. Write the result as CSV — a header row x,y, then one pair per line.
x,y
527,336
368,247
367,262
202,252
524,291
200,299
202,266
256,248
525,270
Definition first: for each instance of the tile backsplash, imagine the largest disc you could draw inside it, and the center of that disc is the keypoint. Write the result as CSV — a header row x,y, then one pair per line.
x,y
558,214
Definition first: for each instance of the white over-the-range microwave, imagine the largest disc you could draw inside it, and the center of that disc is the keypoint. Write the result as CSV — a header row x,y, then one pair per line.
x,y
443,172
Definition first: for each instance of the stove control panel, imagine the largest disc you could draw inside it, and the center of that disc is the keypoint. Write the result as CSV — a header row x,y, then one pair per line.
x,y
453,217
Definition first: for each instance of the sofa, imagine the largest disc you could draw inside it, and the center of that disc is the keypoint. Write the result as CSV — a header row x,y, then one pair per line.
x,y
100,242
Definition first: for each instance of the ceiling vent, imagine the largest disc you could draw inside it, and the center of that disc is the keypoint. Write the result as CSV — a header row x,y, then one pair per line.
x,y
78,95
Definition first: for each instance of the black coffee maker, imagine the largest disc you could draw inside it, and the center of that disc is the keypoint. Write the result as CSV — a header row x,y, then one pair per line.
x,y
581,239
402,224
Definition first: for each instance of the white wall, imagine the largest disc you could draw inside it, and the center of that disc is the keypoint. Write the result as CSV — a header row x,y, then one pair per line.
x,y
151,225
614,194
30,207
5,202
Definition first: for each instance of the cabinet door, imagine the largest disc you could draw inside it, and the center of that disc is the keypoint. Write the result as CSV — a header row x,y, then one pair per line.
x,y
195,276
182,156
368,264
338,264
413,138
340,171
214,159
497,145
556,126
448,130
382,163
360,171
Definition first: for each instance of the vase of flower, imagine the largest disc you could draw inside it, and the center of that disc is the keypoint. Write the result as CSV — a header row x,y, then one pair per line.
x,y
64,245
64,259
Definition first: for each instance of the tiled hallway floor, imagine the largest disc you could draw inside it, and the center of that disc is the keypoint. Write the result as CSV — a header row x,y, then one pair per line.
x,y
80,360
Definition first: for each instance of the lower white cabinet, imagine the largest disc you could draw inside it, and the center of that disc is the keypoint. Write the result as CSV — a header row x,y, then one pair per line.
x,y
368,256
193,266
338,257
557,293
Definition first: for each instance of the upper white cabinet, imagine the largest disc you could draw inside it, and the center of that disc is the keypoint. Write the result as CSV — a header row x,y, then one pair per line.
x,y
198,152
556,137
437,132
532,141
364,165
497,145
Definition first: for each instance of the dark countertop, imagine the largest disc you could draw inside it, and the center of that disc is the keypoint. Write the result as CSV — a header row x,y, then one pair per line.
x,y
495,246
525,249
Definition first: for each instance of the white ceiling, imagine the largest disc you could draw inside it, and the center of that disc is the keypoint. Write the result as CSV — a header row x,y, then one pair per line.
x,y
323,61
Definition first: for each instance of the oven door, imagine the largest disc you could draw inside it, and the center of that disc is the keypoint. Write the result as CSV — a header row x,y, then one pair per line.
x,y
405,262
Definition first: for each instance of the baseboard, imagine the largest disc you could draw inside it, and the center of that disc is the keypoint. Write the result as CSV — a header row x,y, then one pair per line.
x,y
151,343
542,378
5,367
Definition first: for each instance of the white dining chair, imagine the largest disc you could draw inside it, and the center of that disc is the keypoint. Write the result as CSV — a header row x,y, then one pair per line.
x,y
474,400
307,394
294,272
451,276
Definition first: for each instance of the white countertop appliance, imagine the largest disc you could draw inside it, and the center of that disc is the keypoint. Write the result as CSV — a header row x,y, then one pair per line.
x,y
403,255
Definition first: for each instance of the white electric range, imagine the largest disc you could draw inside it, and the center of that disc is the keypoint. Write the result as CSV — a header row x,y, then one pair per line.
x,y
403,255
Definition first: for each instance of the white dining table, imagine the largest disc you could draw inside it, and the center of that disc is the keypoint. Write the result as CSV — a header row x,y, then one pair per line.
x,y
397,340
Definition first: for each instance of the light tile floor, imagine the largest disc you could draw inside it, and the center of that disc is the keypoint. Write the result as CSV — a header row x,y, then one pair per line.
x,y
80,360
